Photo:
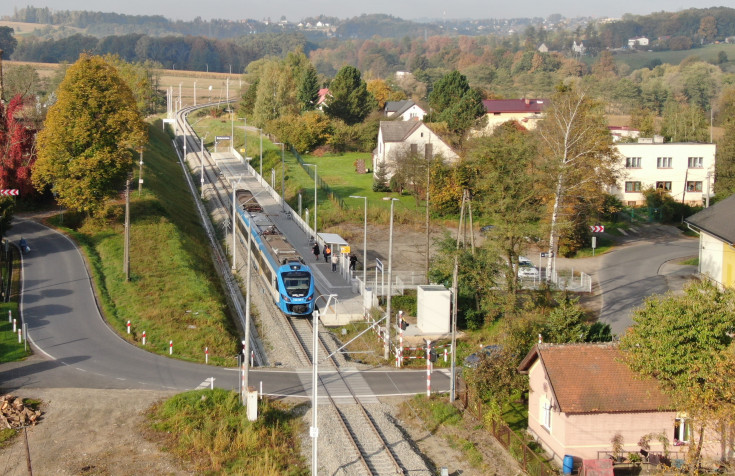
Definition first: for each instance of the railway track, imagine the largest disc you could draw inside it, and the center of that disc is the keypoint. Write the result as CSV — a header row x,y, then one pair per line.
x,y
371,450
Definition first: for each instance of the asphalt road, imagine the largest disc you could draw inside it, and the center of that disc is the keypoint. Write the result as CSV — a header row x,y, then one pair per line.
x,y
74,347
628,275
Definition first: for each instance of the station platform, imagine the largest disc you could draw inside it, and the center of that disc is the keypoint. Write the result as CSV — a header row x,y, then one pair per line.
x,y
346,304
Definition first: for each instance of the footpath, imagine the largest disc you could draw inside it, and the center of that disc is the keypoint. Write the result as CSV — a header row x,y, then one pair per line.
x,y
346,303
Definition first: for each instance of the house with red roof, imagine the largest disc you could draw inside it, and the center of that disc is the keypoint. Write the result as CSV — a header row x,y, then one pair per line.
x,y
324,94
582,395
526,112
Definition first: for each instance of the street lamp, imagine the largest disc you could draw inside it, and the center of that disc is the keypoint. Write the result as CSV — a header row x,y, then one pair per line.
x,y
364,242
390,267
260,132
195,93
201,162
315,196
314,430
283,176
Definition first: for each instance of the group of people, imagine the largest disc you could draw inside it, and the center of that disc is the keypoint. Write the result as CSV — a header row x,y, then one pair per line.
x,y
334,258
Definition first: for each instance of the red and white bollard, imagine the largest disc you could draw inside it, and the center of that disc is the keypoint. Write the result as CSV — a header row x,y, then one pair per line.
x,y
128,326
170,347
252,358
206,355
445,355
428,368
400,347
143,337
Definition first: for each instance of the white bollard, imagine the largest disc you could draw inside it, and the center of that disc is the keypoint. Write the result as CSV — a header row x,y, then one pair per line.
x,y
128,325
10,316
20,336
252,358
261,389
170,347
15,327
143,337
206,355
211,383
428,368
445,355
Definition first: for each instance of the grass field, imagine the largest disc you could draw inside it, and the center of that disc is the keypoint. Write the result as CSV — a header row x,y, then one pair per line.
x,y
641,59
173,292
10,349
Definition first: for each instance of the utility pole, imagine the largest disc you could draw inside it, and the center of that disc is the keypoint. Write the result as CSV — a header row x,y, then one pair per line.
x,y
126,254
140,173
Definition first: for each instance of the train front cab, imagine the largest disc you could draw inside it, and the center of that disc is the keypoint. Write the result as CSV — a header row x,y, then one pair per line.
x,y
296,289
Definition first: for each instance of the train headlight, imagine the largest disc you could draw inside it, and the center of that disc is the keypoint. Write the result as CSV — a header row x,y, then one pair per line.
x,y
310,298
285,298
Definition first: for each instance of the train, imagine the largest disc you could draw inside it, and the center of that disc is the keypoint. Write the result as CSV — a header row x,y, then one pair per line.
x,y
289,280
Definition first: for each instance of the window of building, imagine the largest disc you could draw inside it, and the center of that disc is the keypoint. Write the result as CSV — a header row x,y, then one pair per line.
x,y
664,185
695,162
545,413
663,162
632,186
694,186
632,162
682,430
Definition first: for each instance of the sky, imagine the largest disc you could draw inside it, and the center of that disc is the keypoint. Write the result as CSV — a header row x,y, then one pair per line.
x,y
295,10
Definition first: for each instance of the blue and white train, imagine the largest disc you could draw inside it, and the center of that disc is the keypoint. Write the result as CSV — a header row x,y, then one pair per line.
x,y
289,279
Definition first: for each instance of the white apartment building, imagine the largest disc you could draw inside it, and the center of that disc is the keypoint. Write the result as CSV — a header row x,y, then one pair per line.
x,y
684,169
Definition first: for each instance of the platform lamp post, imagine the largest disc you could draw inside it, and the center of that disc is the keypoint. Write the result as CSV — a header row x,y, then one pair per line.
x,y
234,222
390,268
260,131
283,176
201,162
364,241
316,197
314,429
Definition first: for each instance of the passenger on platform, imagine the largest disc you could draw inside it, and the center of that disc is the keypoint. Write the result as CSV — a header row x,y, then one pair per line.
x,y
327,253
353,261
315,250
335,261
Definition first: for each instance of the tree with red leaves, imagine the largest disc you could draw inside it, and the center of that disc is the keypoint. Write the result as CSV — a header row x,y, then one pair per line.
x,y
17,148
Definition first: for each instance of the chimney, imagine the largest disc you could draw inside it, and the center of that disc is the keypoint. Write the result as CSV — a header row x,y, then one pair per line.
x,y
540,339
528,101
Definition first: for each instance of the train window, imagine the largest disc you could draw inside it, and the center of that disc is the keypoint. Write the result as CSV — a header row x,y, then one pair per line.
x,y
297,283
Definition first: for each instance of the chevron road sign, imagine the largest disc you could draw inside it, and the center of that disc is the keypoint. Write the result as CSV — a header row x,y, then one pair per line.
x,y
597,228
9,191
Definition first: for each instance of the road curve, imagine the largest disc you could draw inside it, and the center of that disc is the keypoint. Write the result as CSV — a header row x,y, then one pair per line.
x,y
630,274
76,348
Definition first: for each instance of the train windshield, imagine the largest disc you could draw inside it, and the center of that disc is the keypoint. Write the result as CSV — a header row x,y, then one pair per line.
x,y
297,283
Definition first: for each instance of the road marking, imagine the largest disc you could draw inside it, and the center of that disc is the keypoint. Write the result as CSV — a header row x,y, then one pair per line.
x,y
208,382
622,231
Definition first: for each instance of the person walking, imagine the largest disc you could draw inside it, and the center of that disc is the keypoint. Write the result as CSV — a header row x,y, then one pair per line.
x,y
315,250
335,262
327,253
353,261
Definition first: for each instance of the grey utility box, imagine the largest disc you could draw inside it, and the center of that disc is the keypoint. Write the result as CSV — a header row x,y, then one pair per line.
x,y
434,309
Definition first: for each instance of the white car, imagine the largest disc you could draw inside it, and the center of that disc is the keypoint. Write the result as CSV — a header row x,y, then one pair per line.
x,y
527,271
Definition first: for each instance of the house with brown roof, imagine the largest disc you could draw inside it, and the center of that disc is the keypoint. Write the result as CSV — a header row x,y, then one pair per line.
x,y
405,110
582,395
398,138
716,227
526,112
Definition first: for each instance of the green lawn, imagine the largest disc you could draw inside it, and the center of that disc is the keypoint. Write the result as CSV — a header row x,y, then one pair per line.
x,y
174,293
10,349
641,59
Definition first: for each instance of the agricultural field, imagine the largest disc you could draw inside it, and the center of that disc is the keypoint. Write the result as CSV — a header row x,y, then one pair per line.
x,y
641,59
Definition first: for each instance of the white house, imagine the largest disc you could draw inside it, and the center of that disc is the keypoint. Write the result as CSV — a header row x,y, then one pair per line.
x,y
716,227
400,137
405,110
684,169
637,41
579,49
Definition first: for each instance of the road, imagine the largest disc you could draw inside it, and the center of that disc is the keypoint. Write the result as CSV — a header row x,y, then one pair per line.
x,y
631,273
75,347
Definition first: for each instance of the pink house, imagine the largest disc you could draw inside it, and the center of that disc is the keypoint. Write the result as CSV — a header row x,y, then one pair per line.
x,y
582,395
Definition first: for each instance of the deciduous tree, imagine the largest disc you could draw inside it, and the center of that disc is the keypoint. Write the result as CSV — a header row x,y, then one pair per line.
x,y
85,148
683,341
17,147
577,156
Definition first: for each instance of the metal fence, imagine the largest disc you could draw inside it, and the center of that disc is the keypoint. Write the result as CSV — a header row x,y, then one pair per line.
x,y
514,444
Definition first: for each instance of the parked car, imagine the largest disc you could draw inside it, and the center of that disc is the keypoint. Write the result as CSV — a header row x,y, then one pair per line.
x,y
473,360
528,271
